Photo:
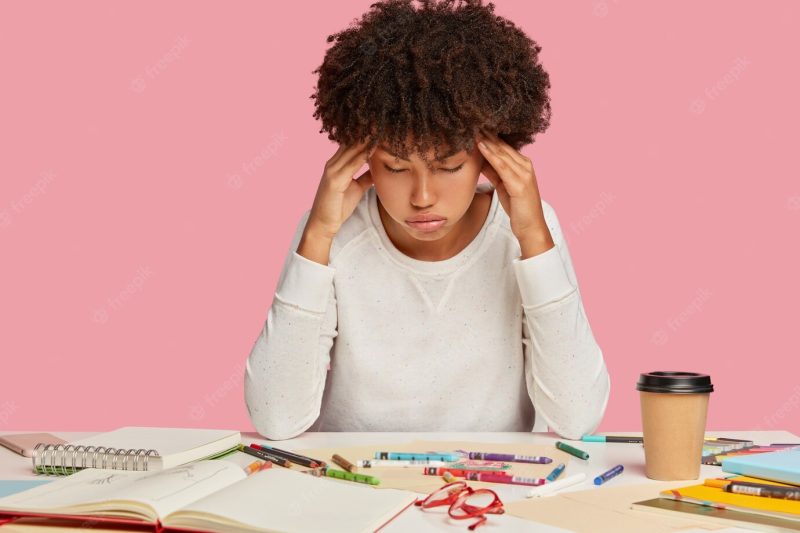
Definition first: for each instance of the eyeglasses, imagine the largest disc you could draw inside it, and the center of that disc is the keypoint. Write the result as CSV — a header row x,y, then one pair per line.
x,y
465,502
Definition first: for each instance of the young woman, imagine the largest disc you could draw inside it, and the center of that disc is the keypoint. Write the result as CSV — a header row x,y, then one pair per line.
x,y
413,298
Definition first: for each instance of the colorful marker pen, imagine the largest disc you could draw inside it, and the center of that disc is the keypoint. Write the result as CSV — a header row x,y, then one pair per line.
x,y
508,457
556,472
495,477
460,472
349,476
344,463
612,438
416,456
372,463
580,454
605,476
255,466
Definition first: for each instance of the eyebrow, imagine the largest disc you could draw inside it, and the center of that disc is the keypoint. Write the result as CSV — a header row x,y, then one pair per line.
x,y
385,149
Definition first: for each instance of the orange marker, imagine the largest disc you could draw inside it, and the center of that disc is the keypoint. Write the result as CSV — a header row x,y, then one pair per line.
x,y
255,466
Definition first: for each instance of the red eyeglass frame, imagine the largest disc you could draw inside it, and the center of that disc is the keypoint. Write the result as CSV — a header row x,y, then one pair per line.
x,y
457,494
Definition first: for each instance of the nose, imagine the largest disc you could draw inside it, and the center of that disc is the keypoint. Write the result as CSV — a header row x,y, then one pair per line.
x,y
423,195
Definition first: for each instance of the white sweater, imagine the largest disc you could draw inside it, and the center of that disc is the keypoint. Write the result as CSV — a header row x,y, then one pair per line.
x,y
379,341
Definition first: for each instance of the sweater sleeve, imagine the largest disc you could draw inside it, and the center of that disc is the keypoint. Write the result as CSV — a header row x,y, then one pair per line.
x,y
567,378
286,370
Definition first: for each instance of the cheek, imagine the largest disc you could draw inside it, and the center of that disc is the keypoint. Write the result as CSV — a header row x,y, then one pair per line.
x,y
387,186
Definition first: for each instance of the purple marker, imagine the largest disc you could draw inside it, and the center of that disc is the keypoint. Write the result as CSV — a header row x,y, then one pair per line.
x,y
508,457
496,477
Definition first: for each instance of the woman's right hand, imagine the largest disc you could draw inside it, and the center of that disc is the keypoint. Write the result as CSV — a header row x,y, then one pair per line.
x,y
338,193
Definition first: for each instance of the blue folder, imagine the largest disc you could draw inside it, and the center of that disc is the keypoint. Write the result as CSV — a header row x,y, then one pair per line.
x,y
9,486
776,466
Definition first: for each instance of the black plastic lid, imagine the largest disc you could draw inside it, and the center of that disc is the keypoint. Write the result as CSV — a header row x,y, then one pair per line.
x,y
675,382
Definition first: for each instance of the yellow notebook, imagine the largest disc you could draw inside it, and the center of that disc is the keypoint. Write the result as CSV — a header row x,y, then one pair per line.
x,y
719,498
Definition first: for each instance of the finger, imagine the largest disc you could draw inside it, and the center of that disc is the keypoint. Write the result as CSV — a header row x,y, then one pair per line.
x,y
364,180
345,170
492,176
347,155
358,187
503,147
361,155
502,165
495,180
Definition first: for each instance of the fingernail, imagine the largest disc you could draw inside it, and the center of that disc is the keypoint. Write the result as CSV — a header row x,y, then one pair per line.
x,y
482,145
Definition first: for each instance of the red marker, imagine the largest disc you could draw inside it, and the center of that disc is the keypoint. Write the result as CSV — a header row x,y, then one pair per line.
x,y
439,471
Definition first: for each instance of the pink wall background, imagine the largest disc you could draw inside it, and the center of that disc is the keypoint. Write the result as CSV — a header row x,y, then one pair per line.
x,y
155,159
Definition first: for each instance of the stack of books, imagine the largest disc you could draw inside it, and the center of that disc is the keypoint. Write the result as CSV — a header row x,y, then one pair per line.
x,y
717,449
763,494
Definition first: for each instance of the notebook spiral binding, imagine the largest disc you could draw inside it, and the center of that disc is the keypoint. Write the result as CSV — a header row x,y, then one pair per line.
x,y
60,459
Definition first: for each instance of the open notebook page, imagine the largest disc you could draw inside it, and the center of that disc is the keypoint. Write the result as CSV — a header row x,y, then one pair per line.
x,y
283,500
105,491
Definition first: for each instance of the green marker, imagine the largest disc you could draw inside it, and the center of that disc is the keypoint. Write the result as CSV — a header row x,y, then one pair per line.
x,y
580,454
349,476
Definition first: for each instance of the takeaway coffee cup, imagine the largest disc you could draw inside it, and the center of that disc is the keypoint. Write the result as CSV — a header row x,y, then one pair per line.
x,y
674,408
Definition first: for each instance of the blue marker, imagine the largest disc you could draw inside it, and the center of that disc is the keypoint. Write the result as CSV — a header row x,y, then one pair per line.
x,y
556,472
416,456
605,476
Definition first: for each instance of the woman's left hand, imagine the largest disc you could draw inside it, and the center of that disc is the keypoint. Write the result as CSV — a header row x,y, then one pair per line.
x,y
513,177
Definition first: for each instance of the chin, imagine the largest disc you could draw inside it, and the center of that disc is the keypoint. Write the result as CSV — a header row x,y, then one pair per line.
x,y
433,236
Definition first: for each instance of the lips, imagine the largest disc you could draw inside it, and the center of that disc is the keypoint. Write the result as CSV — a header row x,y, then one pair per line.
x,y
424,218
428,226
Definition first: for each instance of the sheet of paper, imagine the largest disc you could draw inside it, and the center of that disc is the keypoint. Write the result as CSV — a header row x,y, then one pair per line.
x,y
436,521
279,499
603,510
413,478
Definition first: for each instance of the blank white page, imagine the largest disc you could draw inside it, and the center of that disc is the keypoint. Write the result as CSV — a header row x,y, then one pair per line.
x,y
279,499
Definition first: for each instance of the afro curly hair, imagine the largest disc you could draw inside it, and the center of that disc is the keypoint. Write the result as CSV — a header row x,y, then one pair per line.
x,y
436,74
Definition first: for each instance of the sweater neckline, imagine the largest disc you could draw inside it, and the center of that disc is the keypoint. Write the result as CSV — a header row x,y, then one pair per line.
x,y
432,267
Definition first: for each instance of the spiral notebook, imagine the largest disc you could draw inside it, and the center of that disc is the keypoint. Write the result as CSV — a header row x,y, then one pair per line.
x,y
135,448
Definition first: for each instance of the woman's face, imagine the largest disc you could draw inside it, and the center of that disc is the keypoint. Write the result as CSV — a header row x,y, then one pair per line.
x,y
409,190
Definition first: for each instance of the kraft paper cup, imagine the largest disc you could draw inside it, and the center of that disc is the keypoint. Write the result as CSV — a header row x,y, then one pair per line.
x,y
674,409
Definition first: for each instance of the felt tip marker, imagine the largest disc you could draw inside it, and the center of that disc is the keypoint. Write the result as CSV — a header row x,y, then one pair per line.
x,y
556,472
349,476
374,463
755,489
495,477
605,476
612,438
417,456
257,465
580,454
344,463
509,457
460,472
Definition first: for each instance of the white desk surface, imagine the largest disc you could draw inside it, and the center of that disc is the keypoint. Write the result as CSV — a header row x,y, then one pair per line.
x,y
603,456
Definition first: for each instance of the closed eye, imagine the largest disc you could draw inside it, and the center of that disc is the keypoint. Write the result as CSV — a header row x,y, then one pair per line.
x,y
456,169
